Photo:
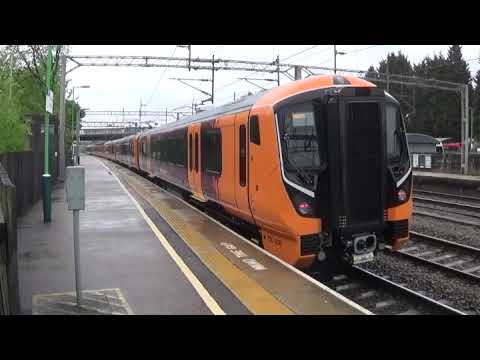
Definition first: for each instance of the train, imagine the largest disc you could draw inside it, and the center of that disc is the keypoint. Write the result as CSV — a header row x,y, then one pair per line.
x,y
317,169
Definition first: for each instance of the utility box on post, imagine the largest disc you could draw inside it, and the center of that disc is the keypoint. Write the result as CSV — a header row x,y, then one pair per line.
x,y
75,187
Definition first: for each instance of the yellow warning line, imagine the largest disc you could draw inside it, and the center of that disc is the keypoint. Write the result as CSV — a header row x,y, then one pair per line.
x,y
253,296
197,285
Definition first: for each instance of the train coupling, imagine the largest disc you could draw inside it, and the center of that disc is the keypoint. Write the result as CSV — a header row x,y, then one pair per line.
x,y
361,249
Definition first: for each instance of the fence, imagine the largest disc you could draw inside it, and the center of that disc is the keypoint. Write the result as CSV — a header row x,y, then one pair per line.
x,y
450,162
20,188
25,168
9,293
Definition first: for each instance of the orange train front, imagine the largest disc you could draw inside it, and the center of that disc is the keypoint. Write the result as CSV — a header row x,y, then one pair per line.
x,y
317,168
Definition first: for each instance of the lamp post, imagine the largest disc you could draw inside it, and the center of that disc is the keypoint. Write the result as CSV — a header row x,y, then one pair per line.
x,y
46,181
335,53
76,116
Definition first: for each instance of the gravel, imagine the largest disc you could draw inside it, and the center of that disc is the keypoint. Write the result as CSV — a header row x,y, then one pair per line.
x,y
438,285
462,234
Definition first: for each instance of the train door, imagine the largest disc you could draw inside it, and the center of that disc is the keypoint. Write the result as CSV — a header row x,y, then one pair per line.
x,y
241,164
135,152
258,165
194,158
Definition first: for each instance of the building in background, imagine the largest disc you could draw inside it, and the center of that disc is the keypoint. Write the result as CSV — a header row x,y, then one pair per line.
x,y
422,148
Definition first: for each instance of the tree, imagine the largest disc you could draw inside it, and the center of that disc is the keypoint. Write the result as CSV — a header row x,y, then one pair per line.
x,y
394,64
34,59
22,89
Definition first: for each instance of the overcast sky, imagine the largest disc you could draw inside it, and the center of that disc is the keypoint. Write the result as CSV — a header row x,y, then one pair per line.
x,y
114,88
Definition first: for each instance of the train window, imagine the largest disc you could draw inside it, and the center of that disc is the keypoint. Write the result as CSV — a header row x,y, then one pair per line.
x,y
190,147
300,144
212,151
393,128
196,152
243,155
254,130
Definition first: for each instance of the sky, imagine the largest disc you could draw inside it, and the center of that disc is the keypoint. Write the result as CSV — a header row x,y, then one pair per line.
x,y
117,88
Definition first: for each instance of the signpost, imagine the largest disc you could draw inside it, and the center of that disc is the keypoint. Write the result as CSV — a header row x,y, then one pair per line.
x,y
75,191
46,178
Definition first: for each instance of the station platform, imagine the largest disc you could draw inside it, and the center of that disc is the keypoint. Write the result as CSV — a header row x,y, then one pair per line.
x,y
145,251
468,182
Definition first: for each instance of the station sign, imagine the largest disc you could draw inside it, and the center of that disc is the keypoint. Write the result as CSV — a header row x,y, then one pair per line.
x,y
49,102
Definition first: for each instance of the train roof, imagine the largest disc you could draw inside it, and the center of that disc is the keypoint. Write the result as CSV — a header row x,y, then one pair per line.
x,y
243,103
269,97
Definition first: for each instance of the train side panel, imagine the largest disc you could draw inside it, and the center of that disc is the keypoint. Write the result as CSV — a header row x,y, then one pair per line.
x,y
281,229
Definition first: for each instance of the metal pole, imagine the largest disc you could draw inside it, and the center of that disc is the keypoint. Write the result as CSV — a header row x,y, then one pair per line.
x,y
73,114
166,116
78,135
63,68
76,249
47,198
471,124
278,70
467,128
298,73
213,77
334,59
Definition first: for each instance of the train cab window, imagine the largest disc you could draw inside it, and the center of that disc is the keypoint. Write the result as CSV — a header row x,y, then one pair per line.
x,y
254,130
196,152
396,141
212,151
243,155
300,144
190,151
394,132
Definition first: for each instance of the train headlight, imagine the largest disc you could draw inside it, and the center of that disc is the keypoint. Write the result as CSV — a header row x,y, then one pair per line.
x,y
402,195
304,208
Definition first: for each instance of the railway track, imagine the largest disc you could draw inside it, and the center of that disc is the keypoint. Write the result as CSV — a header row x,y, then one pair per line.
x,y
465,220
445,196
462,260
382,296
450,204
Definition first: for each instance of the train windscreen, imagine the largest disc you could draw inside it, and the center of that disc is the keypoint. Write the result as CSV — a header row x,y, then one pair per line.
x,y
300,144
396,141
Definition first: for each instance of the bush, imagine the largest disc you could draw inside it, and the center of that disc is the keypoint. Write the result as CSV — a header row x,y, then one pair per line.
x,y
12,127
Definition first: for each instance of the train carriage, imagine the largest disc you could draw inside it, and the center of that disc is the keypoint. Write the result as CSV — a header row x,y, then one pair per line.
x,y
318,167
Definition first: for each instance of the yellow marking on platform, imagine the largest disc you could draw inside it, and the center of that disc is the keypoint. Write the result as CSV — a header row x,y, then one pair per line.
x,y
253,296
197,285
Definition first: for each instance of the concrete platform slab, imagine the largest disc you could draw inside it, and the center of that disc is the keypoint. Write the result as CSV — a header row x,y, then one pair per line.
x,y
117,247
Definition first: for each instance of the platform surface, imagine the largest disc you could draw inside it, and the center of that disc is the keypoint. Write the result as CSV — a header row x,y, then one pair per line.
x,y
437,175
118,250
157,253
